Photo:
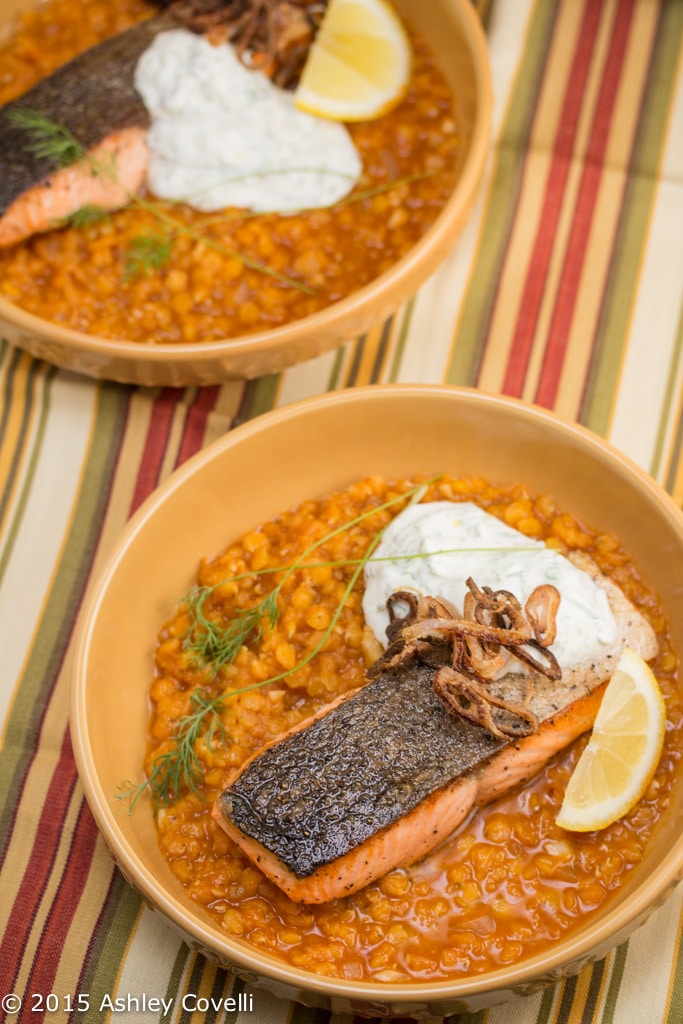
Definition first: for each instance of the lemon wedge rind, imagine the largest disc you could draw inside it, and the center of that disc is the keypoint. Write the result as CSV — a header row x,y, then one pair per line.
x,y
359,65
622,754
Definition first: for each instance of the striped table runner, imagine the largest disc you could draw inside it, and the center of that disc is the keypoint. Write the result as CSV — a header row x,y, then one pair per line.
x,y
566,289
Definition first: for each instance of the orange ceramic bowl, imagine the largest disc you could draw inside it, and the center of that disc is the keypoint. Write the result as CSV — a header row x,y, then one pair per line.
x,y
455,34
275,461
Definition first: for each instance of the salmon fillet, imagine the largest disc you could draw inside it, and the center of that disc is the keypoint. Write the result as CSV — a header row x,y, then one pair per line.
x,y
383,775
108,177
94,98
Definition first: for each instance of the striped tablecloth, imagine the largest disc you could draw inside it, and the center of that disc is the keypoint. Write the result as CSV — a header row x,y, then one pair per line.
x,y
566,289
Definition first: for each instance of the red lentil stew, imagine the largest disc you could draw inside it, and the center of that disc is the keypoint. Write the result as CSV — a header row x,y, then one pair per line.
x,y
77,276
508,883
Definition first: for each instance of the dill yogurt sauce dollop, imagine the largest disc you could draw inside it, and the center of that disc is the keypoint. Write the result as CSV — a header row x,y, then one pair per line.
x,y
456,541
222,135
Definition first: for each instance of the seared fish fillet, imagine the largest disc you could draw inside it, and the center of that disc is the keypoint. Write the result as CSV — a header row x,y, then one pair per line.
x,y
92,96
383,775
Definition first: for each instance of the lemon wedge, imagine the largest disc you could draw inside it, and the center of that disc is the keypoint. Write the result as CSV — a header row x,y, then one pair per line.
x,y
359,64
623,751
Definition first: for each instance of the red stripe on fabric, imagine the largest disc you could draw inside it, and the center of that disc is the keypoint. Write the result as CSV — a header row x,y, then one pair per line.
x,y
552,203
585,206
64,906
39,864
195,426
155,445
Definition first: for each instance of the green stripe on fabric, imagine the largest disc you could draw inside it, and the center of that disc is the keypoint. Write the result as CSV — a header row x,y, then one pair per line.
x,y
307,1015
567,1012
174,982
502,201
53,635
105,955
35,375
595,987
618,958
675,1014
192,986
259,397
382,349
356,359
233,988
657,469
334,382
630,243
17,365
467,1018
547,1001
406,320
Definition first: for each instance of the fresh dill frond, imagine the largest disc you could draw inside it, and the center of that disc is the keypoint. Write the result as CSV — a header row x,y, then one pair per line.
x,y
48,140
214,644
87,215
218,644
147,253
180,768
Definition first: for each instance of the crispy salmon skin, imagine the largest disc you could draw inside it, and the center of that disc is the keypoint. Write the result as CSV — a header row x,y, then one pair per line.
x,y
93,97
383,775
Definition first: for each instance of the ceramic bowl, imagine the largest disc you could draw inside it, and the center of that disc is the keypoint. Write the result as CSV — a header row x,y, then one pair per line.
x,y
453,30
273,462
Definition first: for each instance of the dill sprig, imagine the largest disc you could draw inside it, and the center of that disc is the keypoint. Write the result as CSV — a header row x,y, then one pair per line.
x,y
85,216
147,253
204,635
217,644
150,252
181,768
48,140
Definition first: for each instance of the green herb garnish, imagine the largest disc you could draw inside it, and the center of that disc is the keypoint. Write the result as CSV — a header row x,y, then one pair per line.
x,y
86,216
147,253
180,767
48,141
216,646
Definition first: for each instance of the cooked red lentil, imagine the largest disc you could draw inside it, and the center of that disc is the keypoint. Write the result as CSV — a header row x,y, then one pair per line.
x,y
202,294
507,884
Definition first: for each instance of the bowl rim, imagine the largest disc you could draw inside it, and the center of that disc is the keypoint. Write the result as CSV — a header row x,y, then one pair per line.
x,y
358,302
617,920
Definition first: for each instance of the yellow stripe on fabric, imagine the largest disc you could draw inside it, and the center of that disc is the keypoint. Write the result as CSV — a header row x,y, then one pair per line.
x,y
23,385
138,975
674,1002
557,264
606,216
111,930
15,864
426,344
529,206
32,561
225,410
308,379
629,277
654,330
666,464
518,41
78,938
644,994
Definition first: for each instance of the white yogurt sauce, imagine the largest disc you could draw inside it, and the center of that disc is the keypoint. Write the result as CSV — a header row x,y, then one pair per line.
x,y
494,555
222,135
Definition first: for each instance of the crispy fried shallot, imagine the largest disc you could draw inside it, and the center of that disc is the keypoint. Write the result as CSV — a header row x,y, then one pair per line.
x,y
471,651
272,36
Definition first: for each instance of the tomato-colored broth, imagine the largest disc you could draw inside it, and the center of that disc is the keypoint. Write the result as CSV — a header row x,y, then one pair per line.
x,y
507,884
208,289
